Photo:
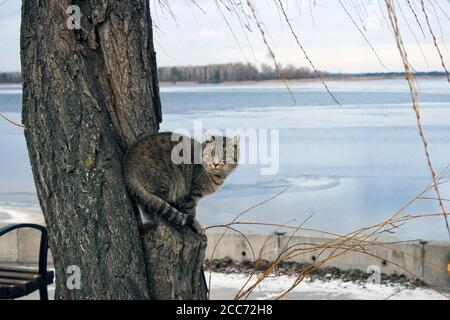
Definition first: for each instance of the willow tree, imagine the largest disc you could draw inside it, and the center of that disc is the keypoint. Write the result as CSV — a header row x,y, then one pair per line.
x,y
88,94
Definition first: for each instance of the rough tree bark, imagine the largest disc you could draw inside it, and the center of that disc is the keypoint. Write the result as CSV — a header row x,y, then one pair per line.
x,y
87,95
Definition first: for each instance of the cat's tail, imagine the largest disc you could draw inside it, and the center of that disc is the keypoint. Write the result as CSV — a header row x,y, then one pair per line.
x,y
155,204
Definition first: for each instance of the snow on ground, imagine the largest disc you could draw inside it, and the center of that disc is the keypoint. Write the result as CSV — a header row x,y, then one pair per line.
x,y
225,286
20,214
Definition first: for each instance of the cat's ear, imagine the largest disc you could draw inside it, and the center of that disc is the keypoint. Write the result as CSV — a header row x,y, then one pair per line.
x,y
209,137
237,140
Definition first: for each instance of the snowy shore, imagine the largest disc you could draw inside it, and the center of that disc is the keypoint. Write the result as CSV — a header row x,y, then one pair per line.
x,y
226,286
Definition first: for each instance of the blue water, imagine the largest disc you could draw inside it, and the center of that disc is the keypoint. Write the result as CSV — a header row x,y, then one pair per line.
x,y
348,167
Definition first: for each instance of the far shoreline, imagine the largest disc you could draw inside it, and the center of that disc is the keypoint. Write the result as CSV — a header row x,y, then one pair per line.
x,y
312,80
278,81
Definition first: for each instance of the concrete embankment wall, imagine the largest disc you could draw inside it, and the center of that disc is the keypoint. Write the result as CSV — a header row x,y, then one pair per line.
x,y
427,260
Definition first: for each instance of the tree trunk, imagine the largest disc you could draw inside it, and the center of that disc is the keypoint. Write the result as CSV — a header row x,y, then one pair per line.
x,y
87,95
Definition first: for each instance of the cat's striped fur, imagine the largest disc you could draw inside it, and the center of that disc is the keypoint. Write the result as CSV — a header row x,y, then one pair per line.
x,y
171,190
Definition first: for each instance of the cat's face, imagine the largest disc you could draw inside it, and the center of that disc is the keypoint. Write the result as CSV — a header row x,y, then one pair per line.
x,y
220,154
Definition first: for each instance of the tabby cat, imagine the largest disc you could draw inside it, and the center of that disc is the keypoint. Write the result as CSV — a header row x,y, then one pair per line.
x,y
170,190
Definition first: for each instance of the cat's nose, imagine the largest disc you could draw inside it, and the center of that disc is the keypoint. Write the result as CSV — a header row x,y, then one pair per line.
x,y
216,165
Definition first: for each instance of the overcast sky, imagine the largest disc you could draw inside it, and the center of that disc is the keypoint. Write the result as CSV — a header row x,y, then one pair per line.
x,y
331,39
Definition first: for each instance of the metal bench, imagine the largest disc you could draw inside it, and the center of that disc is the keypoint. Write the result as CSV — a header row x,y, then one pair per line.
x,y
16,282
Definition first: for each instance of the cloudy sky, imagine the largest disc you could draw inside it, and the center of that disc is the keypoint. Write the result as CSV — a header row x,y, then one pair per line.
x,y
198,37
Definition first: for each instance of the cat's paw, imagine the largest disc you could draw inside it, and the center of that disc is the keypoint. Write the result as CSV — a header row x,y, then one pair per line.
x,y
198,228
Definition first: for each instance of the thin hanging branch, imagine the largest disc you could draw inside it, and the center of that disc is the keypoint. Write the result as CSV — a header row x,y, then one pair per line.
x,y
362,33
415,37
436,45
416,16
415,100
269,48
294,34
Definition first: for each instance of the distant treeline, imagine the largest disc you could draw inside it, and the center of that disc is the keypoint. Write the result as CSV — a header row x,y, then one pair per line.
x,y
383,75
217,73
10,77
245,72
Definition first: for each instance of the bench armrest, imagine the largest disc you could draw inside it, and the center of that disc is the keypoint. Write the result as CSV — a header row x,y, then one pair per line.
x,y
43,247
